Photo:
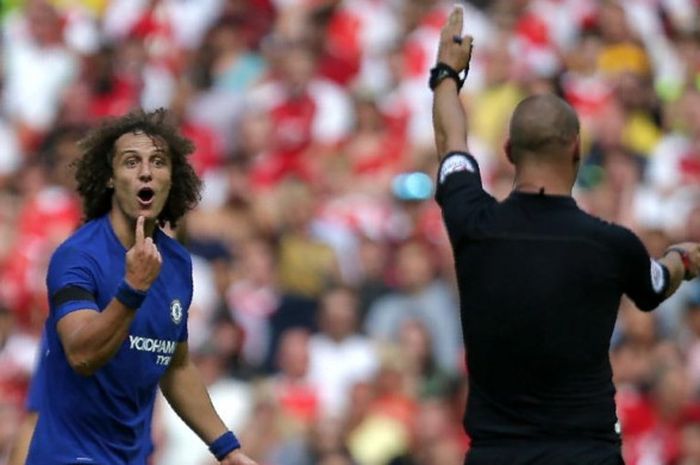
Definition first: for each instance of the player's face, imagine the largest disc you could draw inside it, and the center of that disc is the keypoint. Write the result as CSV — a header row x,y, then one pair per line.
x,y
141,175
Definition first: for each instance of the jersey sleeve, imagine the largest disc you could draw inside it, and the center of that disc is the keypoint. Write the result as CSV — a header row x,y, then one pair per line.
x,y
645,280
461,195
70,282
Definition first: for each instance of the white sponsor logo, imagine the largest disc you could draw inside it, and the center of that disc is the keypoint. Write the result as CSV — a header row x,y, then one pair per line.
x,y
147,344
454,164
162,347
658,282
176,311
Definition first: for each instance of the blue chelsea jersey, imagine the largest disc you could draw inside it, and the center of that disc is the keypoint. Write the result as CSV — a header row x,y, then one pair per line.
x,y
105,418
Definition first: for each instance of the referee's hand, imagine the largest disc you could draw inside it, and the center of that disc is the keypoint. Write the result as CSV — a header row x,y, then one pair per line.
x,y
692,249
143,260
455,49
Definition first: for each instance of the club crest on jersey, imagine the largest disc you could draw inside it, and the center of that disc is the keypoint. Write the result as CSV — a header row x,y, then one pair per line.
x,y
176,311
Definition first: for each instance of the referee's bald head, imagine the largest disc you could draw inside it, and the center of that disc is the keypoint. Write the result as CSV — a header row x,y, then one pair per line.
x,y
542,126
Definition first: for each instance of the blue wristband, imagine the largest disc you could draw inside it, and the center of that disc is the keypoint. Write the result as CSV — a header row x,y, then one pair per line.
x,y
224,445
129,296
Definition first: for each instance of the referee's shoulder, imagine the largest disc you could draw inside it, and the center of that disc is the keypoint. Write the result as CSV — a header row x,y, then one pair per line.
x,y
611,233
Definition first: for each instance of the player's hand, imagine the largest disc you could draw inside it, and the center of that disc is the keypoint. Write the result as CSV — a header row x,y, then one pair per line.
x,y
143,260
237,457
455,50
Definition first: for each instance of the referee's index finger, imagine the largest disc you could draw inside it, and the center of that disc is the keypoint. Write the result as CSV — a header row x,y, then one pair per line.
x,y
140,235
456,19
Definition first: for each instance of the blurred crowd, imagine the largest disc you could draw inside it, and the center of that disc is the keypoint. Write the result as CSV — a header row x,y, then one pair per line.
x,y
325,317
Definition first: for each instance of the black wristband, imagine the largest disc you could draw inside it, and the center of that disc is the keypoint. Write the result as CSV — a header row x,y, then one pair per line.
x,y
685,258
443,71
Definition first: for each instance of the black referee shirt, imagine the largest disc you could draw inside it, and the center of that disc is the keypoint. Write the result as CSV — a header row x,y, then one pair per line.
x,y
540,283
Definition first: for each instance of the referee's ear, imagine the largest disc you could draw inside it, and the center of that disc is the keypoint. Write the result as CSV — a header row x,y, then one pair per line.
x,y
577,149
508,149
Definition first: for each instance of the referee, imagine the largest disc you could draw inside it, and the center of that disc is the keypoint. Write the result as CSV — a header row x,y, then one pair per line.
x,y
540,282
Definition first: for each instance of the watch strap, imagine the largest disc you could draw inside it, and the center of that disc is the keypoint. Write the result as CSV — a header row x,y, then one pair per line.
x,y
443,71
685,258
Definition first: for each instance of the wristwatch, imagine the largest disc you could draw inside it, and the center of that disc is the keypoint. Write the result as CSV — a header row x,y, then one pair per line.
x,y
443,71
685,258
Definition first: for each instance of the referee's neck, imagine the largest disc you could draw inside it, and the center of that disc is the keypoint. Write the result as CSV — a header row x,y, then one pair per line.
x,y
542,179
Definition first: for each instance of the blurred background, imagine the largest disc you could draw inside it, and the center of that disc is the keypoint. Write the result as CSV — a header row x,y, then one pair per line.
x,y
325,317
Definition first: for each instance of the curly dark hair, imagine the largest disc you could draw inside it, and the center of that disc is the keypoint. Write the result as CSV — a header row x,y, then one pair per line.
x,y
94,167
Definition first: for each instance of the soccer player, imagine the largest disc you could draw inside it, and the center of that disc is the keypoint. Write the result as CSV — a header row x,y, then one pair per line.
x,y
119,291
540,282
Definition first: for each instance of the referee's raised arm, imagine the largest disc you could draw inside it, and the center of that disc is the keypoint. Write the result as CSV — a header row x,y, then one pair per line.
x,y
446,80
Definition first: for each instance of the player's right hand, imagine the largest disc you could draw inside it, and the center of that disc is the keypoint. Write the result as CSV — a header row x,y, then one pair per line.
x,y
143,261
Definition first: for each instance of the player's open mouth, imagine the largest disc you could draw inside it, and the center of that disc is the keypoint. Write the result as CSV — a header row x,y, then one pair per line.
x,y
146,195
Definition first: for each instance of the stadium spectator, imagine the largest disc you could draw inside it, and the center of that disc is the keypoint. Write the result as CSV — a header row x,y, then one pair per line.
x,y
261,309
339,356
422,296
291,387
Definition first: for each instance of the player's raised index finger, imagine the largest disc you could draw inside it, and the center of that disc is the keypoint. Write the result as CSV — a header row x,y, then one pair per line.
x,y
140,235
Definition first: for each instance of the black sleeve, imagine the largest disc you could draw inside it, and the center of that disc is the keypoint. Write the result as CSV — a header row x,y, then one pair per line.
x,y
645,280
461,195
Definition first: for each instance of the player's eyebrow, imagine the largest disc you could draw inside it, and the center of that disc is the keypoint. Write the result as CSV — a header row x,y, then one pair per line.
x,y
156,151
